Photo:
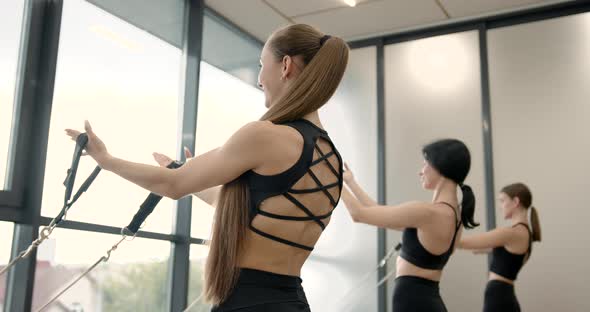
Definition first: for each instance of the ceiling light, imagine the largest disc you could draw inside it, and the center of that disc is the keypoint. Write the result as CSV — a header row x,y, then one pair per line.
x,y
351,3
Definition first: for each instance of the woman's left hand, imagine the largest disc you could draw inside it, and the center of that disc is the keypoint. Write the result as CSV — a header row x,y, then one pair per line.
x,y
95,147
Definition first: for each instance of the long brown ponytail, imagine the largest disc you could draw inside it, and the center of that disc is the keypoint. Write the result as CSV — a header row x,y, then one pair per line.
x,y
525,197
535,224
324,67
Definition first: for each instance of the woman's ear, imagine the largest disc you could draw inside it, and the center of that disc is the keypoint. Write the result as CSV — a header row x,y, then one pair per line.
x,y
287,67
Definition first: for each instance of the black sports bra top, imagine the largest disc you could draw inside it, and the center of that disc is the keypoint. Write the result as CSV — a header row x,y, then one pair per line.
x,y
413,251
507,264
262,187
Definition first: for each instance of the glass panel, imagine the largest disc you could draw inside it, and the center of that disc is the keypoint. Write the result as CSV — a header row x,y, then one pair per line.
x,y
11,14
126,82
221,113
220,44
162,19
6,230
433,91
198,255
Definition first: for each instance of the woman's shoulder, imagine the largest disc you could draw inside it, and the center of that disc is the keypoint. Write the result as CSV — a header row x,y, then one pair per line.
x,y
265,135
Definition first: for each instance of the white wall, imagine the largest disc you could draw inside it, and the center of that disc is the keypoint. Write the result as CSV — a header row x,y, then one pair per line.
x,y
540,78
346,251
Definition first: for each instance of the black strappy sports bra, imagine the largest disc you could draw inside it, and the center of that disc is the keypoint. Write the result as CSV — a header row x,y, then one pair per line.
x,y
413,252
263,187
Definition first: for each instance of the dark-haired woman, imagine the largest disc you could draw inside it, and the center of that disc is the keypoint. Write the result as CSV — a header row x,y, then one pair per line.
x,y
430,229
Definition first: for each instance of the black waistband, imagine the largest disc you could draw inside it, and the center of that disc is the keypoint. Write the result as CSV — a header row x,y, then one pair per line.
x,y
417,280
264,278
500,283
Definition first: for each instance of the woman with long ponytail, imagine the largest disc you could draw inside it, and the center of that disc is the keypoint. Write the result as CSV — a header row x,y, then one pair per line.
x,y
281,178
317,63
437,223
511,247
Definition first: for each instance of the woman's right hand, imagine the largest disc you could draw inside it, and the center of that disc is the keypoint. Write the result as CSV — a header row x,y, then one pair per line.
x,y
164,160
351,203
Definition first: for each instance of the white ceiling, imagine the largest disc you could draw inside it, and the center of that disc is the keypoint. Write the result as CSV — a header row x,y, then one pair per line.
x,y
368,18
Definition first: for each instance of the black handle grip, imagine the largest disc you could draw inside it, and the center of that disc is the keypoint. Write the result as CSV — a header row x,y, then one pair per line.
x,y
144,211
88,181
148,205
81,142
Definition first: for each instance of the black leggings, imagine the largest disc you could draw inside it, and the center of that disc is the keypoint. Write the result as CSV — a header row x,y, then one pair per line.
x,y
416,294
260,291
500,296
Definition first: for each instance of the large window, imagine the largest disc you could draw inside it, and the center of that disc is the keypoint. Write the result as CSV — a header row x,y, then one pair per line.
x,y
226,103
220,43
134,279
228,98
5,247
198,255
11,13
125,81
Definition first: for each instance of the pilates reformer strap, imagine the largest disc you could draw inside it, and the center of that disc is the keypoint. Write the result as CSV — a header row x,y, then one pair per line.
x,y
67,205
361,282
190,306
146,208
387,277
69,181
381,264
104,258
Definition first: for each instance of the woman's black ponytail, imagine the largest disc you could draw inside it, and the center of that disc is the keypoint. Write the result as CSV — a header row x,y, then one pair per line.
x,y
468,207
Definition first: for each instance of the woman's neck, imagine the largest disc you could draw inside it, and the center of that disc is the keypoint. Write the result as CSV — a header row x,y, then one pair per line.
x,y
446,191
519,216
315,118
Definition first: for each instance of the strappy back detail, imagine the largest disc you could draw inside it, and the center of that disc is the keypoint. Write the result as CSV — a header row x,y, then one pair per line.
x,y
264,187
